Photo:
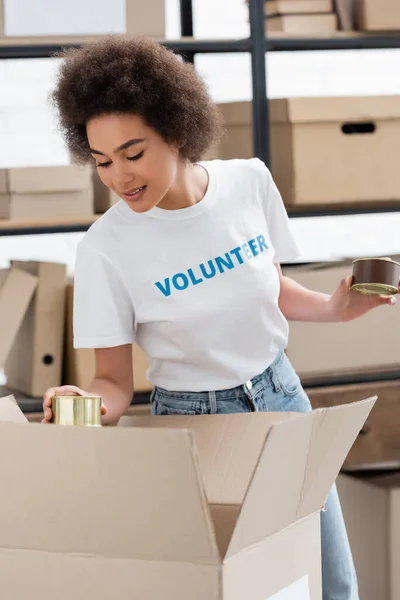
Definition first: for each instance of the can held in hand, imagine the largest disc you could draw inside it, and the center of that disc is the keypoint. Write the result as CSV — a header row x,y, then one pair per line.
x,y
77,410
376,276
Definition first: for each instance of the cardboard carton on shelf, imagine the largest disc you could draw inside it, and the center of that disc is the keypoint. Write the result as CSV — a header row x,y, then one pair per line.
x,y
16,291
371,509
378,445
327,150
104,198
45,192
36,357
297,7
79,363
320,351
139,18
211,506
383,15
302,23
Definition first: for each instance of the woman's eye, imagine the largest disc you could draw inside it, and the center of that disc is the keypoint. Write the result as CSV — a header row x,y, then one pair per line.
x,y
104,164
136,157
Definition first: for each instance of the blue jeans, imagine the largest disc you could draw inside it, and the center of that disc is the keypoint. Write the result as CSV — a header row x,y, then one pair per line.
x,y
277,389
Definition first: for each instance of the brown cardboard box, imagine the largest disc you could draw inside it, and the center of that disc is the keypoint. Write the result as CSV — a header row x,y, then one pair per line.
x,y
382,15
306,23
104,198
16,291
35,361
371,508
37,192
296,7
142,18
322,350
378,445
79,368
217,506
312,160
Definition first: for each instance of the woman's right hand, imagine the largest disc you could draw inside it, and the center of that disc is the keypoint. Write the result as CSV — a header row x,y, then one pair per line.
x,y
64,390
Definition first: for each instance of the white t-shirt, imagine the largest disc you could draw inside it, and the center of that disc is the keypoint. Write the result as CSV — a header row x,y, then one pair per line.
x,y
195,288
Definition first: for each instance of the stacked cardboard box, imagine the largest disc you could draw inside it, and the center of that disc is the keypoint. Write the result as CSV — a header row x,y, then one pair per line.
x,y
371,508
36,342
213,506
32,306
140,18
104,198
45,192
300,16
330,150
372,15
323,351
79,364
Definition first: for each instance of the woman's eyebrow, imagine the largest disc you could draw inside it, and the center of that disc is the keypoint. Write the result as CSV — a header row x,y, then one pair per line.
x,y
123,146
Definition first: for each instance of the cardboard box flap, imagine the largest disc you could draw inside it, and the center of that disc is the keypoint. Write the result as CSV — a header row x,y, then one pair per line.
x,y
333,435
298,465
10,411
108,492
229,447
30,180
331,109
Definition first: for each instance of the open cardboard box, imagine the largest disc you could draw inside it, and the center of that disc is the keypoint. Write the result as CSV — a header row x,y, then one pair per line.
x,y
220,507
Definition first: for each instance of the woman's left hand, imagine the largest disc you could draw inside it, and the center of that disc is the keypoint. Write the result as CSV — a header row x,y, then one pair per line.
x,y
348,304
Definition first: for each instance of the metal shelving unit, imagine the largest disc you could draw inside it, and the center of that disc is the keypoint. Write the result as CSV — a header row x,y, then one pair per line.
x,y
257,45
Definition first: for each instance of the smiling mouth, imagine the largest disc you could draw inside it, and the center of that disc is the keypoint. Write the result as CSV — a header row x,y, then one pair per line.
x,y
134,193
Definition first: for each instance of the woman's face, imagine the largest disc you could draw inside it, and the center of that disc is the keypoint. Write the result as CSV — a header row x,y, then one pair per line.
x,y
133,160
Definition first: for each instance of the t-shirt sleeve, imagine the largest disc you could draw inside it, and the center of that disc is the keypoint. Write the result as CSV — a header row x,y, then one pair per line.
x,y
282,238
103,315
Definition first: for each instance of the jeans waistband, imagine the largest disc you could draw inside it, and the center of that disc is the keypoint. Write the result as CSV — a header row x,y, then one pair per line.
x,y
267,376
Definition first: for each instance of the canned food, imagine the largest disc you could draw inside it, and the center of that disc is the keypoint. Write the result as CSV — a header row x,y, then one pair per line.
x,y
376,276
77,410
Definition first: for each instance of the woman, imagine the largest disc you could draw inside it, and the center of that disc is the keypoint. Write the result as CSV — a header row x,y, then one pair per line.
x,y
187,264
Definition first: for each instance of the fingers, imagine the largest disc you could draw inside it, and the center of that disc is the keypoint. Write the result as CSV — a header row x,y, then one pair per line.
x,y
391,300
64,390
103,410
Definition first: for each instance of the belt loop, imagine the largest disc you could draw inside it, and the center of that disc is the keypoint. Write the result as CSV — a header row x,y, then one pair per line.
x,y
213,402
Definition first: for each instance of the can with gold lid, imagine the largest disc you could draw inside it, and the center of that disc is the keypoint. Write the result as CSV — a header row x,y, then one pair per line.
x,y
77,410
376,276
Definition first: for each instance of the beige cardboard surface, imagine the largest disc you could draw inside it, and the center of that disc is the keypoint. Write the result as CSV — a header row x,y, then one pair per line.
x,y
29,180
146,18
291,554
276,496
340,347
81,501
311,23
104,198
79,367
36,359
363,167
45,205
10,411
152,520
371,510
378,16
378,444
2,29
319,443
281,7
229,447
15,296
70,577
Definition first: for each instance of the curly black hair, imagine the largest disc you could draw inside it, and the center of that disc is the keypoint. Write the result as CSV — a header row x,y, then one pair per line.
x,y
136,75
